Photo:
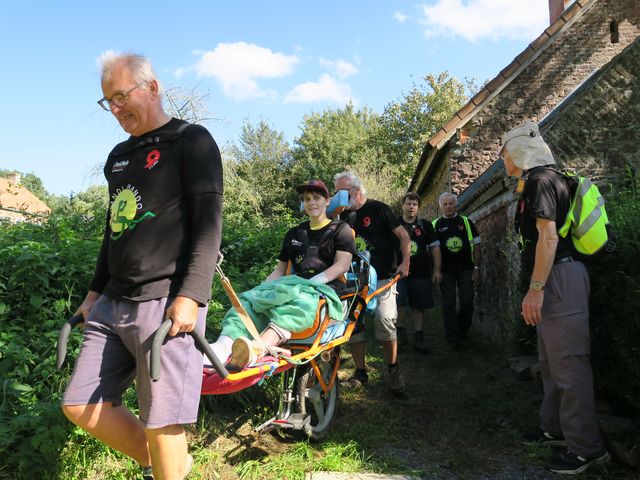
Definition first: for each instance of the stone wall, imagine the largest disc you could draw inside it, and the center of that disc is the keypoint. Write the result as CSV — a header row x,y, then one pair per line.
x,y
598,133
595,132
567,62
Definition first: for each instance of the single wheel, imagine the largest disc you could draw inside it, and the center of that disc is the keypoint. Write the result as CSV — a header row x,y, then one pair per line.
x,y
311,400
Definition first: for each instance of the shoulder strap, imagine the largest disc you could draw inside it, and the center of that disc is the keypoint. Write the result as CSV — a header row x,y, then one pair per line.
x,y
303,235
148,140
351,218
467,227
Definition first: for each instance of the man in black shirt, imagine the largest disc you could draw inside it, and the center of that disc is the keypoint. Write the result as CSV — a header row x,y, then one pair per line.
x,y
460,247
556,303
378,231
157,261
415,291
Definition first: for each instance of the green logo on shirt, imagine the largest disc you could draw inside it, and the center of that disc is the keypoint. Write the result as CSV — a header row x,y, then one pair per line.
x,y
123,211
454,244
361,245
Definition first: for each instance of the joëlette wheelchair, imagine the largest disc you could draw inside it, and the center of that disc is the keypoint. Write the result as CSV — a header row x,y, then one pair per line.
x,y
309,396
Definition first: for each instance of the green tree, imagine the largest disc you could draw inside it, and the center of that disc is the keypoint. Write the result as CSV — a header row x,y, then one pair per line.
x,y
333,141
258,166
407,124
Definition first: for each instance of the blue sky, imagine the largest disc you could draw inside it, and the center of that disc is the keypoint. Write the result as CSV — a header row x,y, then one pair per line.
x,y
257,60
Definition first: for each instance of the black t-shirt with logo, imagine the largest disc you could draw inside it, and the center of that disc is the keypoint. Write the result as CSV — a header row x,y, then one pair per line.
x,y
422,236
545,195
374,223
293,247
164,219
454,243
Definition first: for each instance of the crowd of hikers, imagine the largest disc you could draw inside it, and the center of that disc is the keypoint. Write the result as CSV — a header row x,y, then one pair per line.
x,y
159,253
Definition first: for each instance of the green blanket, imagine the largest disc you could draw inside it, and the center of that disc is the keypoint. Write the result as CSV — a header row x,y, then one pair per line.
x,y
290,302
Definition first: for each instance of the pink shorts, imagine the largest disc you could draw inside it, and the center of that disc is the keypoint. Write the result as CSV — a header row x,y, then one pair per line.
x,y
115,352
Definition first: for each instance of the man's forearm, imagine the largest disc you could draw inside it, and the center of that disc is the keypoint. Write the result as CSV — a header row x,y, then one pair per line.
x,y
436,255
545,250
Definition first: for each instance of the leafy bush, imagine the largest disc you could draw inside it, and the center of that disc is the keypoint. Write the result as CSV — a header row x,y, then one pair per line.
x,y
44,271
615,308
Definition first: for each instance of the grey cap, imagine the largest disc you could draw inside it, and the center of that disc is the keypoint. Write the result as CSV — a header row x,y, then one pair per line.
x,y
527,147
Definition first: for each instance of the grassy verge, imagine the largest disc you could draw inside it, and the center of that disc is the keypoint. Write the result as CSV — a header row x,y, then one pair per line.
x,y
462,420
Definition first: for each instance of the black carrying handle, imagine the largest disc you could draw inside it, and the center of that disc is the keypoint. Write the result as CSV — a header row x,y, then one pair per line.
x,y
201,344
63,338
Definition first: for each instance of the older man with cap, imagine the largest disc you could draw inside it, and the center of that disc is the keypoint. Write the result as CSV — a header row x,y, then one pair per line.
x,y
556,303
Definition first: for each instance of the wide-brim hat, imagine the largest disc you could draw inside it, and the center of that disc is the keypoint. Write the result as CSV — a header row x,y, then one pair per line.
x,y
313,186
526,147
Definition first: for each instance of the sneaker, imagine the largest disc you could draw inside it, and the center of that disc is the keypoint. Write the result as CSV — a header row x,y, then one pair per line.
x,y
569,463
359,379
244,353
147,472
401,333
396,383
419,345
543,438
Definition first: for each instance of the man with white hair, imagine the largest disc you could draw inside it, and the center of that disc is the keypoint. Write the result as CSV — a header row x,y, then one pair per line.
x,y
157,261
378,231
556,303
460,250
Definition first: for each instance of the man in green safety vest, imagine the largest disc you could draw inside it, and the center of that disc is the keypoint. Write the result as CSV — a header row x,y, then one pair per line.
x,y
460,248
556,303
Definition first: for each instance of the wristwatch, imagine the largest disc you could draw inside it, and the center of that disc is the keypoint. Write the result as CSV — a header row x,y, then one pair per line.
x,y
537,286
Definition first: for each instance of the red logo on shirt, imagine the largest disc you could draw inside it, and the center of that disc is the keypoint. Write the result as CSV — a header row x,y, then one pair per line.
x,y
152,159
418,232
366,221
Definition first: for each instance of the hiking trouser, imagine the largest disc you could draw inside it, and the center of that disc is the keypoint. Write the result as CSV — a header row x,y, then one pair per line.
x,y
457,285
568,407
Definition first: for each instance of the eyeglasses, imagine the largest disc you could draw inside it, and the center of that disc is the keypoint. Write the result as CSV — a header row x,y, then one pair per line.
x,y
119,99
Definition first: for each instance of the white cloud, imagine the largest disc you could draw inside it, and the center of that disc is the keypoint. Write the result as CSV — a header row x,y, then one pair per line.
x,y
400,17
237,66
341,68
474,20
325,89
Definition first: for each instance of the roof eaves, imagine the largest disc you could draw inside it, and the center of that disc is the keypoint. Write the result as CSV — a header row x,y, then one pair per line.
x,y
497,84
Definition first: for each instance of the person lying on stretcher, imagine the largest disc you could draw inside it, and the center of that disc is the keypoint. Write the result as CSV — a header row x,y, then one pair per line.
x,y
320,252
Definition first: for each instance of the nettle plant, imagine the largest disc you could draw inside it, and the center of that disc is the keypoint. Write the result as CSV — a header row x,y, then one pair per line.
x,y
44,271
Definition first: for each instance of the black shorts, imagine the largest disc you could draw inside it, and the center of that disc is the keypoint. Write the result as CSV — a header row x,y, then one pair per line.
x,y
416,292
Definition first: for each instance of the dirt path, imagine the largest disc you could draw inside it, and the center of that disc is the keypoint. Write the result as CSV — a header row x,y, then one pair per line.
x,y
464,416
462,419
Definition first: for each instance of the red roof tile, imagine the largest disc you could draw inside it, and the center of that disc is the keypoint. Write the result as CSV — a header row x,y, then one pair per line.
x,y
16,197
540,41
525,55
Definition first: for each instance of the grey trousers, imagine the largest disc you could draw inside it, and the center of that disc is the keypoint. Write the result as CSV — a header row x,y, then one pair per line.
x,y
568,407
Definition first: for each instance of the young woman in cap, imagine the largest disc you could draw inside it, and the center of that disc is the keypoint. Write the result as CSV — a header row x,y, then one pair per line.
x,y
319,250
